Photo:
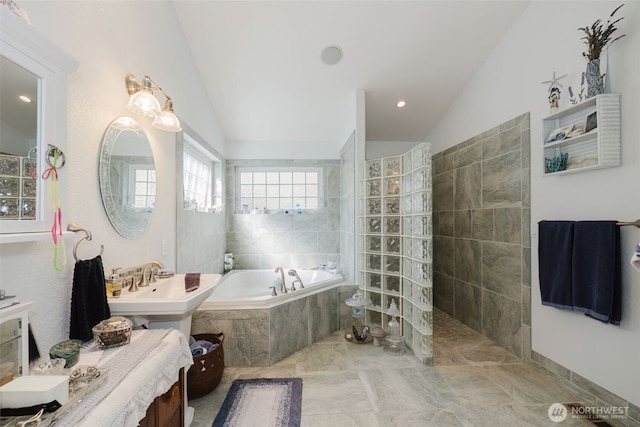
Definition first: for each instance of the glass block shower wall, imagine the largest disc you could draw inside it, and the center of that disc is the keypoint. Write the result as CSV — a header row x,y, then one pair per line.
x,y
395,244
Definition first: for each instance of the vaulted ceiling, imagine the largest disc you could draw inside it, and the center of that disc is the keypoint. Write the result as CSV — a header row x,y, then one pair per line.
x,y
261,65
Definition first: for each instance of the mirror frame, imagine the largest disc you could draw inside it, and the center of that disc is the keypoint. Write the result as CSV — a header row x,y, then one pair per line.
x,y
26,47
126,229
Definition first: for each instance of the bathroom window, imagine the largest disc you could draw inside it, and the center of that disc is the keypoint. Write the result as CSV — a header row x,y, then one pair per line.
x,y
283,189
199,182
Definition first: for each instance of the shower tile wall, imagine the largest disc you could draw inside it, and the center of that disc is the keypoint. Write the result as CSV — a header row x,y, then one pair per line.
x,y
261,241
347,210
395,244
481,217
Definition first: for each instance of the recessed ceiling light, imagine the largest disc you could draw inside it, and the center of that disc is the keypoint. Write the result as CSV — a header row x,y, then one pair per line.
x,y
331,55
24,98
401,104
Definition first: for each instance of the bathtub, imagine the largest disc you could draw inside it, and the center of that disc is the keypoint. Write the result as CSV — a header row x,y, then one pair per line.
x,y
261,329
250,289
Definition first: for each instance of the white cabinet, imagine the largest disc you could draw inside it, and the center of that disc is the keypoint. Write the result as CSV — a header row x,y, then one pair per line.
x,y
595,148
28,56
14,341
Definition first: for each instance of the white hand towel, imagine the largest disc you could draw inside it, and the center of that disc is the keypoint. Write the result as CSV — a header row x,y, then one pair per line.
x,y
635,258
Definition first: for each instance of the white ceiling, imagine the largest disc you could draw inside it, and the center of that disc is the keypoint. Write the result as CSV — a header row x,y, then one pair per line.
x,y
260,63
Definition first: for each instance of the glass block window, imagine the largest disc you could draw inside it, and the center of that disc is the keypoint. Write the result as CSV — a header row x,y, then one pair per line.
x,y
279,189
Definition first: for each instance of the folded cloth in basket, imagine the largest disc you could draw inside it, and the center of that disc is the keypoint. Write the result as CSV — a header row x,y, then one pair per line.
x,y
197,351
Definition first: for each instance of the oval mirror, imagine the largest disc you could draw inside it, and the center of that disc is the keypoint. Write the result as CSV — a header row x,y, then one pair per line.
x,y
127,177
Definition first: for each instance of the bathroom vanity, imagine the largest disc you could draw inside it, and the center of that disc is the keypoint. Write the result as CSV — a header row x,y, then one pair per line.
x,y
140,383
167,410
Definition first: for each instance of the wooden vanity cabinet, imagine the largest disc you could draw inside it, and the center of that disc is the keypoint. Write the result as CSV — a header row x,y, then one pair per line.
x,y
167,410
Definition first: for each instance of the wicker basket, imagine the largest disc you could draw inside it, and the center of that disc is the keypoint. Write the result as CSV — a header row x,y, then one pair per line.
x,y
205,373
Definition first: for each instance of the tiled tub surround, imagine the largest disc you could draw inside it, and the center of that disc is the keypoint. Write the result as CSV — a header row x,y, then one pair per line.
x,y
395,243
268,240
481,234
262,337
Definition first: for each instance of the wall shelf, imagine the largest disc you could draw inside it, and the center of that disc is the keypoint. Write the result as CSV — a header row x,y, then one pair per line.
x,y
596,149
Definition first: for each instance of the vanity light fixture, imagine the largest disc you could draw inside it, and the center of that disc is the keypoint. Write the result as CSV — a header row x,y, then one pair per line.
x,y
142,101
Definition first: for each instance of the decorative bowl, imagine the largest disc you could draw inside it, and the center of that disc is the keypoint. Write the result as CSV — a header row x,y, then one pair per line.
x,y
68,350
50,367
112,332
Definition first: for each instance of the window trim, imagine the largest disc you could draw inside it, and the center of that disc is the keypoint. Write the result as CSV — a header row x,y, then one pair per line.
x,y
317,169
195,149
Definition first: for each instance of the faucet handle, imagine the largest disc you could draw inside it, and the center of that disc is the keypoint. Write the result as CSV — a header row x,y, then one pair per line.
x,y
152,274
273,291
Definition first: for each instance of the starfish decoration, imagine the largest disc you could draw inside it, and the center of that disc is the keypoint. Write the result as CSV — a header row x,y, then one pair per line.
x,y
554,82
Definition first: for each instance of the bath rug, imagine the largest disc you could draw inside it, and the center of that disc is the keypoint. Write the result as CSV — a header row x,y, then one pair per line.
x,y
273,402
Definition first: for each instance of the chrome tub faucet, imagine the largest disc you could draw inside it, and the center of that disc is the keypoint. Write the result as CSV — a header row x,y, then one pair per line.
x,y
293,272
283,286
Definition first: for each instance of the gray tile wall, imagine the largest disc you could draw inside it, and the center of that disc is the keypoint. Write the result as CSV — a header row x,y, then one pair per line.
x,y
270,240
347,210
481,234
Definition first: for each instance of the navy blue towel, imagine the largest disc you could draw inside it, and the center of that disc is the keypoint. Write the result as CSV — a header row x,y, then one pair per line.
x,y
89,304
555,247
596,267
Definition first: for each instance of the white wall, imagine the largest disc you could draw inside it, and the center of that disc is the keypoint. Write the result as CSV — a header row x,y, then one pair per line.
x,y
545,39
379,149
279,150
109,39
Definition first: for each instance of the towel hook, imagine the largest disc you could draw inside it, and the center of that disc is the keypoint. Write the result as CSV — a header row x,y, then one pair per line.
x,y
76,228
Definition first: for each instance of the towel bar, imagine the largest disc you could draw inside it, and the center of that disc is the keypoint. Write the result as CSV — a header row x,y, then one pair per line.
x,y
636,223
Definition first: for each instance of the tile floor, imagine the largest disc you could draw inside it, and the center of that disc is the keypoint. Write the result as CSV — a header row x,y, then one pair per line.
x,y
473,382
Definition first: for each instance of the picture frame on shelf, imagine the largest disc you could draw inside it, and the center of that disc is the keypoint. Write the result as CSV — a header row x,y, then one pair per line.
x,y
559,134
591,122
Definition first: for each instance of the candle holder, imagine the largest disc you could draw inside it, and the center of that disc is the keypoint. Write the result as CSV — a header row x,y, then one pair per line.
x,y
359,332
394,337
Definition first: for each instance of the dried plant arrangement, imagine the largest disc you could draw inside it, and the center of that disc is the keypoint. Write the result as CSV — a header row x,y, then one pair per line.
x,y
598,36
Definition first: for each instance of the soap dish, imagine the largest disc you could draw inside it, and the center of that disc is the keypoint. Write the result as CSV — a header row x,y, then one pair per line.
x,y
50,367
83,377
165,274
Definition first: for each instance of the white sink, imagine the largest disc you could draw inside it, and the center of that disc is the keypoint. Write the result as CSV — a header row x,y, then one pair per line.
x,y
165,303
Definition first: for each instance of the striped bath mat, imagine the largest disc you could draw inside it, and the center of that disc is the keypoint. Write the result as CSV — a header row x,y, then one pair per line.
x,y
262,402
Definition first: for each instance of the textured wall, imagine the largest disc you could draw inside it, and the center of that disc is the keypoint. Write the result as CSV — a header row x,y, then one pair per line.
x,y
481,227
271,240
99,35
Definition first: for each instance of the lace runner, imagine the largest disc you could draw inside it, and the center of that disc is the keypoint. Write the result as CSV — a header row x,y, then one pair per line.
x,y
142,343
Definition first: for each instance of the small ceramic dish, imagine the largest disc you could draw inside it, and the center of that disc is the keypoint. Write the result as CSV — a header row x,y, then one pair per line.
x,y
82,376
50,367
84,373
